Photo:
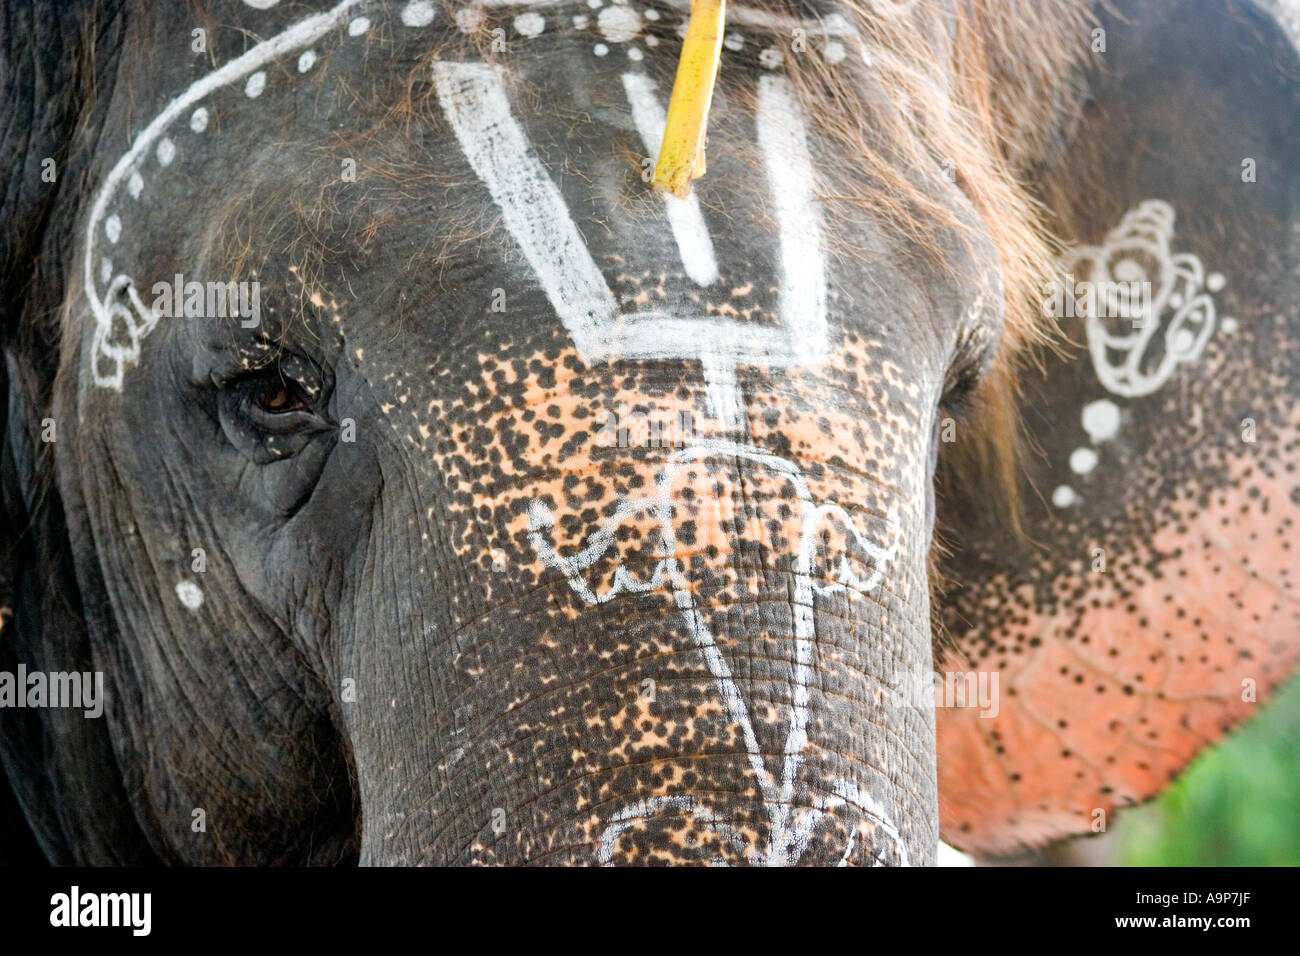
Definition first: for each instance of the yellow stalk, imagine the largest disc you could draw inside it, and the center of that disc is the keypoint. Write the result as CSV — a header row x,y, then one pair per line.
x,y
681,157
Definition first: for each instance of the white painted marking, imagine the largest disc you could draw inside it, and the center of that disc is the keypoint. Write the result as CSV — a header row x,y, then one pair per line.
x,y
600,49
189,594
1215,282
618,24
199,119
105,270
530,24
261,4
1229,325
113,229
418,13
733,41
166,151
835,52
295,37
770,58
474,100
1083,460
135,185
790,177
255,85
1064,496
1179,291
358,26
684,216
634,54
789,831
1100,419
469,19
306,61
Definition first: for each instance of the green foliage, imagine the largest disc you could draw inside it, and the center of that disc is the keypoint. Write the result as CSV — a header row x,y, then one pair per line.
x,y
1238,805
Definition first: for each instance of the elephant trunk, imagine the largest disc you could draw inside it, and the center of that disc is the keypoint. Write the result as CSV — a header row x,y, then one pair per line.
x,y
728,669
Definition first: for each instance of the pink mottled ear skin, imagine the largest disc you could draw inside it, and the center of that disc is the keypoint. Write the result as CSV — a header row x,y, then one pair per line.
x,y
1124,689
1113,677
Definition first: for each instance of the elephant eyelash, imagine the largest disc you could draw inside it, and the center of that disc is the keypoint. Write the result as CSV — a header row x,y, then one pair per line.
x,y
959,406
959,399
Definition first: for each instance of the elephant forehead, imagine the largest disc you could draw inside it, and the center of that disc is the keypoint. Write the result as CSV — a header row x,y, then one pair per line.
x,y
548,116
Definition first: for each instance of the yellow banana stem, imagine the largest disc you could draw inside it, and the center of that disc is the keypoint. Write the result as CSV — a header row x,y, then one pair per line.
x,y
681,157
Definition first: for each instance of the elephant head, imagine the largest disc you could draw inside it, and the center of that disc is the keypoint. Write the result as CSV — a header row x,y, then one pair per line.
x,y
314,339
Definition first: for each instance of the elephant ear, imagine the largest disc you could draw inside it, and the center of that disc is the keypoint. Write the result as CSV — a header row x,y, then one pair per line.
x,y
1152,600
64,798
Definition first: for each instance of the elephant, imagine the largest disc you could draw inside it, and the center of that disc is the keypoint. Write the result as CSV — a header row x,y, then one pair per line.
x,y
426,488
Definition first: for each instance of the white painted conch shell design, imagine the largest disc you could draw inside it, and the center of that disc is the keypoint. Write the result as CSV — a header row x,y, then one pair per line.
x,y
1131,361
790,828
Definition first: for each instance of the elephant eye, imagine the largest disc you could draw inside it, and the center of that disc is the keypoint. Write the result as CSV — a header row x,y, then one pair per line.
x,y
273,412
281,400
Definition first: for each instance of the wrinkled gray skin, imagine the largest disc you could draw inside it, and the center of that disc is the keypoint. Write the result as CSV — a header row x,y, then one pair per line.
x,y
383,666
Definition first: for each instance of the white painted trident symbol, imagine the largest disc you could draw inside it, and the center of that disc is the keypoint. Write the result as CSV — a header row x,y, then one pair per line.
x,y
474,99
789,832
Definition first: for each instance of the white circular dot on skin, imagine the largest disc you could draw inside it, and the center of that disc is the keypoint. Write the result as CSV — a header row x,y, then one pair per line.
x,y
358,26
418,13
255,85
166,152
600,49
733,41
1064,497
1229,325
1184,342
113,228
619,24
1126,270
530,24
651,14
199,121
261,4
580,22
306,61
135,185
1083,460
634,54
1175,301
189,594
835,52
1215,282
651,41
770,58
105,271
1101,419
468,19
595,4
